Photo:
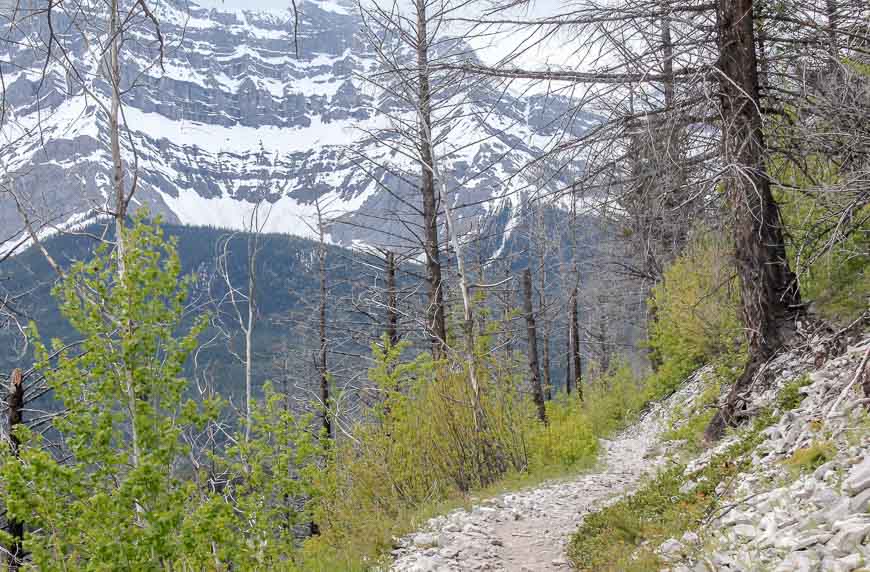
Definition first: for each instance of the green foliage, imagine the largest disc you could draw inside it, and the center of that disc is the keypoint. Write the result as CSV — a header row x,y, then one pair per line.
x,y
421,449
122,493
566,440
623,536
125,415
838,281
614,399
696,314
690,425
282,476
789,395
831,255
812,457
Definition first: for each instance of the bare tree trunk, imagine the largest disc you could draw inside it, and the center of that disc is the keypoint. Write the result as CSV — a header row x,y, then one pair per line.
x,y
769,291
542,312
14,411
246,322
761,54
468,316
392,300
321,365
507,304
575,344
435,315
249,328
568,378
537,390
831,10
545,364
668,56
120,214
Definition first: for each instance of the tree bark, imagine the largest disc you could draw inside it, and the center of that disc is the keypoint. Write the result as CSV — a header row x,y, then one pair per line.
x,y
392,300
15,406
435,311
545,365
322,366
568,338
831,11
507,304
769,291
575,344
543,317
537,390
249,328
667,56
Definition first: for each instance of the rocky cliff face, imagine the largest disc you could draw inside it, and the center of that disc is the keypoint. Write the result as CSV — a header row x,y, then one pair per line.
x,y
235,117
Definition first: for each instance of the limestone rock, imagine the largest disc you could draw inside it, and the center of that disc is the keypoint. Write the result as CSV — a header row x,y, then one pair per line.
x,y
858,479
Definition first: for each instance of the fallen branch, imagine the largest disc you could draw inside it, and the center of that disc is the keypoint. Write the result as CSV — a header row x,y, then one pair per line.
x,y
852,383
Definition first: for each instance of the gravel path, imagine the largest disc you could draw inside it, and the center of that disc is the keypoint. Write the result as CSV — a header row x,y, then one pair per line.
x,y
528,530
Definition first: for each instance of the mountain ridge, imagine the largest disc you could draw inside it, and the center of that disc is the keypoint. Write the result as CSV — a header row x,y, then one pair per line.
x,y
235,117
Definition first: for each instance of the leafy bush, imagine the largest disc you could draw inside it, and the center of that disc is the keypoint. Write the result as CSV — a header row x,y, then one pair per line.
x,y
812,457
833,266
566,440
614,399
114,501
789,395
838,280
421,449
696,313
691,424
126,490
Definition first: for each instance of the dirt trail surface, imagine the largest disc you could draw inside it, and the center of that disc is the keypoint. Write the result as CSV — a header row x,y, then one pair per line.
x,y
528,530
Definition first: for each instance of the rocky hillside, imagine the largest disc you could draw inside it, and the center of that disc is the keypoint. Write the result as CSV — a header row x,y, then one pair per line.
x,y
804,503
235,116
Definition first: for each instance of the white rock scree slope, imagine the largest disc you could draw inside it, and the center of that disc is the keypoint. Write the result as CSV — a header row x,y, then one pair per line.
x,y
236,117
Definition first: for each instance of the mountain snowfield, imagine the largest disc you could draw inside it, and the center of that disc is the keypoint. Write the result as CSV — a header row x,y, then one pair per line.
x,y
235,118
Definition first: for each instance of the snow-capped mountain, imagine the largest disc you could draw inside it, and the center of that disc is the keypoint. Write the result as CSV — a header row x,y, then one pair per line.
x,y
235,116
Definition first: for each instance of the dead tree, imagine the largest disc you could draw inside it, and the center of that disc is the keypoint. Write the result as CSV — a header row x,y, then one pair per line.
x,y
322,367
545,338
575,343
575,293
392,309
534,369
770,295
15,416
694,50
569,380
437,318
242,303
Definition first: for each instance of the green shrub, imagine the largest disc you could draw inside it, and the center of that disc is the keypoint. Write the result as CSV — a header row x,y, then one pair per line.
x,y
789,395
689,425
812,457
421,452
124,494
696,314
614,399
834,267
566,440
